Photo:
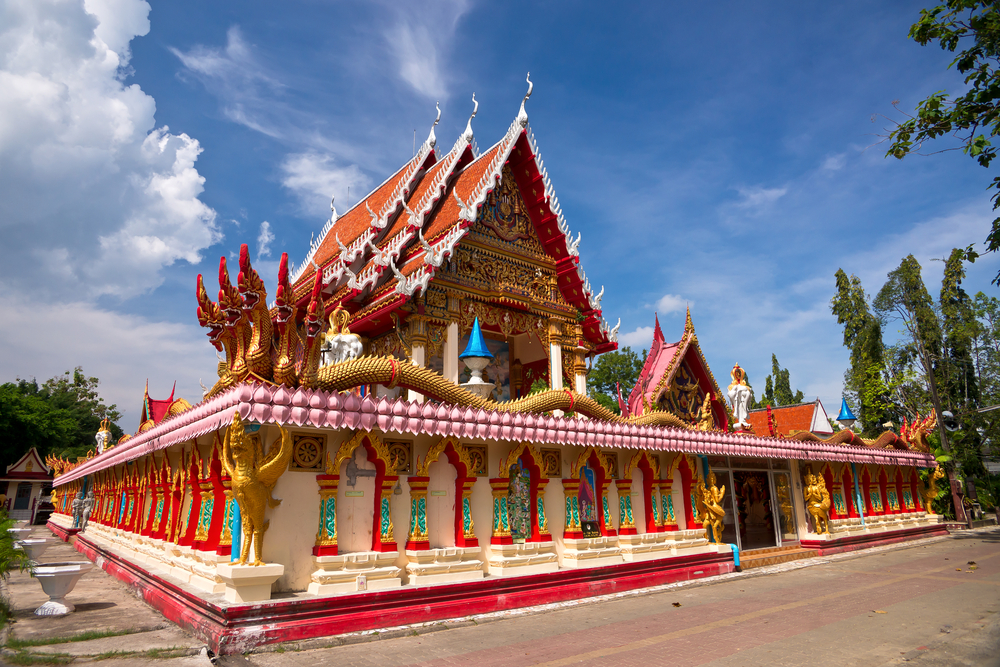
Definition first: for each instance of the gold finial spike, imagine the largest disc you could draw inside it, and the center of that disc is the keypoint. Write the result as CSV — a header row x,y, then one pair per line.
x,y
688,324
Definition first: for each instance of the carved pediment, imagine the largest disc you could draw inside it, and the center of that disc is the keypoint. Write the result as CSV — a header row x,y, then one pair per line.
x,y
503,220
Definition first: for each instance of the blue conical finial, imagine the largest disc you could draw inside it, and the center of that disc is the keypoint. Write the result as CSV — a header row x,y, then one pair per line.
x,y
477,344
845,412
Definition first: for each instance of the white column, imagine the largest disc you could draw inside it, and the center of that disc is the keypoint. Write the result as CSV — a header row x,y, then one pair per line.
x,y
417,356
451,352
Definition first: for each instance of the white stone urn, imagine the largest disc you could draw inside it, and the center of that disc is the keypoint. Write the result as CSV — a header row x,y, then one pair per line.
x,y
19,533
58,581
34,547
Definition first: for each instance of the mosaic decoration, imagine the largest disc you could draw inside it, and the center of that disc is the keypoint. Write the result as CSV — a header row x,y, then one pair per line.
x,y
386,534
893,500
477,460
205,517
330,518
607,511
551,463
668,509
466,518
519,501
908,499
400,457
121,511
876,500
543,523
307,453
838,503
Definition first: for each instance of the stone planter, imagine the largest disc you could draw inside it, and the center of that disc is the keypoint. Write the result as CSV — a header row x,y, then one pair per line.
x,y
58,581
33,548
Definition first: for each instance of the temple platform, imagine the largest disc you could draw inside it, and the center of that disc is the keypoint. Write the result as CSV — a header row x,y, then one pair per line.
x,y
230,627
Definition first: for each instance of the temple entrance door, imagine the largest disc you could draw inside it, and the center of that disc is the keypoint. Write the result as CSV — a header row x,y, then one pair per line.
x,y
441,504
638,501
729,532
356,504
783,502
752,490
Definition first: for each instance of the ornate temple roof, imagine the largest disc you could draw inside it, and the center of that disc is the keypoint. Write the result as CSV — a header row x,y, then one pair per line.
x,y
664,362
389,246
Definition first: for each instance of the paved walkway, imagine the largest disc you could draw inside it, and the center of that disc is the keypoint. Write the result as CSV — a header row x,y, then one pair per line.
x,y
922,602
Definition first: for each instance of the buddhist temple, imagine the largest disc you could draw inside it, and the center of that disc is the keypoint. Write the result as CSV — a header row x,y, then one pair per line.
x,y
402,433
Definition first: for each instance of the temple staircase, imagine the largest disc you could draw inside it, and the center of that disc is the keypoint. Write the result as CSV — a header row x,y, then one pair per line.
x,y
773,555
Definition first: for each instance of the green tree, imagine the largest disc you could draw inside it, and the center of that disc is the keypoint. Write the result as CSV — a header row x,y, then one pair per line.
x,y
59,417
865,382
611,368
778,388
973,118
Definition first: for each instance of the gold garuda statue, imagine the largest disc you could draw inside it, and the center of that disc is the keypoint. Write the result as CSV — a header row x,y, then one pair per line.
x,y
253,478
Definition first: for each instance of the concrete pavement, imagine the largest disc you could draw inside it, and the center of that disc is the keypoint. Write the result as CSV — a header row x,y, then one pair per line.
x,y
919,602
934,602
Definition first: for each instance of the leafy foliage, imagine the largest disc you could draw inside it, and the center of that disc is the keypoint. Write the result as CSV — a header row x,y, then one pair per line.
x,y
622,366
865,381
59,417
973,118
947,358
778,388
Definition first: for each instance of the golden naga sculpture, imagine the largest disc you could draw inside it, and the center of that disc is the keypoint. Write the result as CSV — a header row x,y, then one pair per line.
x,y
286,320
915,434
394,373
817,501
253,478
706,422
254,294
710,511
930,491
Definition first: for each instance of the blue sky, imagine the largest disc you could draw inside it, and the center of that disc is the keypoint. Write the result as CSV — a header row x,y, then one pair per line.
x,y
720,156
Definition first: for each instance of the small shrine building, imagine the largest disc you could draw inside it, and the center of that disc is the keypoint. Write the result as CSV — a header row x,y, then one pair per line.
x,y
385,397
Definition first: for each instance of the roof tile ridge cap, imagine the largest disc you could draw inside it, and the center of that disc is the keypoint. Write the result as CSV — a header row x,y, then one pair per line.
x,y
493,172
410,172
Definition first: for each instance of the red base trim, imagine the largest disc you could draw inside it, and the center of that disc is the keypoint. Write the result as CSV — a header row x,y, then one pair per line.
x,y
62,533
422,545
239,628
325,550
857,542
628,531
224,550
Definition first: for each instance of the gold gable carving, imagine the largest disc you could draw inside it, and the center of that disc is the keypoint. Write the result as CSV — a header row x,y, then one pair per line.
x,y
685,396
504,216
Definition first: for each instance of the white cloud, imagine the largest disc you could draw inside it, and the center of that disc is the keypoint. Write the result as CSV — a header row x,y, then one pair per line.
x,y
757,198
108,345
94,196
416,40
641,338
835,162
264,240
671,303
315,178
239,80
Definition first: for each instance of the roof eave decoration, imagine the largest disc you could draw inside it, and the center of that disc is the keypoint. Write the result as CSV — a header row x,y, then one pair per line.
x,y
279,405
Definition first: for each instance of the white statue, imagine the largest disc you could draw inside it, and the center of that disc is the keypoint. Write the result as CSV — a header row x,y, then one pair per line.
x,y
339,344
739,395
103,436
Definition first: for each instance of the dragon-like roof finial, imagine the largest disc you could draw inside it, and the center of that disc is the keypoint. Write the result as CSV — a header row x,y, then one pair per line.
x,y
467,135
333,209
432,138
522,115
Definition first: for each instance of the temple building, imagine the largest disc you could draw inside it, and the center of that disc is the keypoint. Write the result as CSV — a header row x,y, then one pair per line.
x,y
405,431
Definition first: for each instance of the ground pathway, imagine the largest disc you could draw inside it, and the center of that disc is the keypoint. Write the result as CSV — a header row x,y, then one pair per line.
x,y
931,602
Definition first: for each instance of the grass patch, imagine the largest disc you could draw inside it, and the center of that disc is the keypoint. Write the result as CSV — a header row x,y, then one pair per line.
x,y
151,654
14,643
25,658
